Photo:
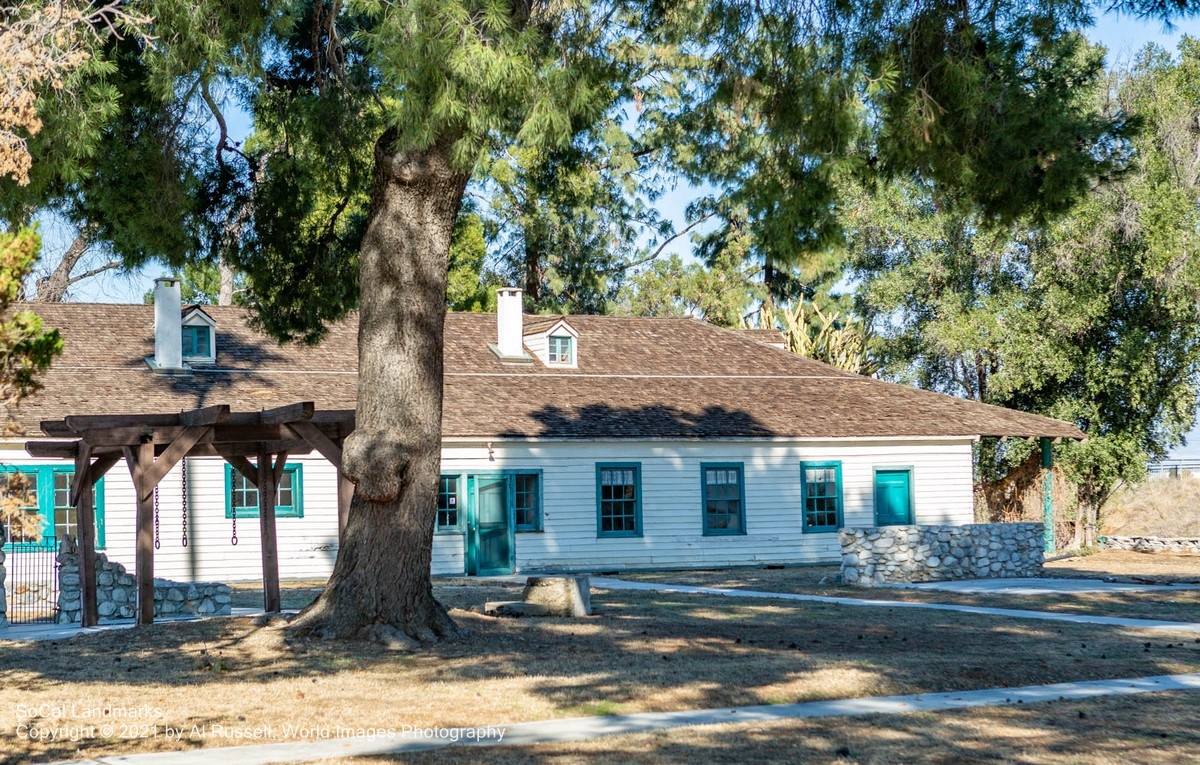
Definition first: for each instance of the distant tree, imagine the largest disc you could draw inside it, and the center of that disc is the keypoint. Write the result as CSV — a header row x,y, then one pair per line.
x,y
26,348
1094,319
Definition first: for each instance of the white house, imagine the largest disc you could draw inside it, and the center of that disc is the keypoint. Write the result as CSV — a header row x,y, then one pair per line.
x,y
570,442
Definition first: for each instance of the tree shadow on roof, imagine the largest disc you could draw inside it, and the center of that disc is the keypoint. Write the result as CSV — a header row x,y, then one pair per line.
x,y
655,421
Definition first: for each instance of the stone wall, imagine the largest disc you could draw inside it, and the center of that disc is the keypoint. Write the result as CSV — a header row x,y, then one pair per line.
x,y
116,592
902,554
1153,544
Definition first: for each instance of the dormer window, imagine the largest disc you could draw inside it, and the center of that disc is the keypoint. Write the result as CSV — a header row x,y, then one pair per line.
x,y
562,350
198,336
553,341
197,342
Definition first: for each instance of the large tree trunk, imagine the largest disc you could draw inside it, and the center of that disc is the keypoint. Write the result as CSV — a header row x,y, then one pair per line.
x,y
380,585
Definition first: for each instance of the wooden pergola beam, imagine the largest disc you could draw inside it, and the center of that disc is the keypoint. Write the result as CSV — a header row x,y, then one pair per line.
x,y
56,429
209,415
243,466
318,440
57,449
171,456
249,449
290,413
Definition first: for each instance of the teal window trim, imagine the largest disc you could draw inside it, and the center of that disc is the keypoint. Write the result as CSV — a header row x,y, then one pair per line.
x,y
636,467
536,526
459,505
561,349
191,341
804,498
45,480
294,510
741,499
510,477
912,492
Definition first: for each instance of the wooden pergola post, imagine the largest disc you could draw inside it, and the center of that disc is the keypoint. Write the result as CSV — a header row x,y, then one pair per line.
x,y
85,517
83,499
140,460
269,475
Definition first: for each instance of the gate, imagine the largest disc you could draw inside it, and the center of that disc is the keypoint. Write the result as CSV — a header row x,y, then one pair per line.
x,y
31,586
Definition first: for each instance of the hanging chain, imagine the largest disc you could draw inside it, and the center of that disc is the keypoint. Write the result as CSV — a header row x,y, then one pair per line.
x,y
233,515
157,543
183,462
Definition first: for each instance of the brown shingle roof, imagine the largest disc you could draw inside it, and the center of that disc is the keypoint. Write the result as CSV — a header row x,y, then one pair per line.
x,y
637,378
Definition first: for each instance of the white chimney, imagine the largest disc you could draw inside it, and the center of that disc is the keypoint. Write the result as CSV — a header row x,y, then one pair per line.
x,y
168,330
510,329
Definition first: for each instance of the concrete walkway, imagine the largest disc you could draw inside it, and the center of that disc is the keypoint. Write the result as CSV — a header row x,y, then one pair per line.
x,y
586,728
64,631
1039,586
1110,621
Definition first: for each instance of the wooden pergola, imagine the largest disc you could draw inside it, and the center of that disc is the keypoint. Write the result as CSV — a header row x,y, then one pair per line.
x,y
152,444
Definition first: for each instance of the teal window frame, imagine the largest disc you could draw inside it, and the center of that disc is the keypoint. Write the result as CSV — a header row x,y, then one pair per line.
x,y
294,510
536,495
636,467
46,505
706,516
836,465
460,507
511,478
190,333
554,349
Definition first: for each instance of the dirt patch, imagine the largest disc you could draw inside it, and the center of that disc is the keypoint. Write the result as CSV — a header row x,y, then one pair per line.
x,y
1158,729
1129,566
642,652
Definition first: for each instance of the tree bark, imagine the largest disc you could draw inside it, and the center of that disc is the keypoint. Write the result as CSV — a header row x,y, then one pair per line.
x,y
225,296
52,288
380,587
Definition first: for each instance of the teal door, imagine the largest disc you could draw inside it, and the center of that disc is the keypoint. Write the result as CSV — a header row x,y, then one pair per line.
x,y
490,542
893,497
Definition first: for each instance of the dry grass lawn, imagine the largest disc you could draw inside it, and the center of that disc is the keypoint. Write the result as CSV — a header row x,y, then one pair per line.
x,y
1160,507
1158,729
643,652
1179,605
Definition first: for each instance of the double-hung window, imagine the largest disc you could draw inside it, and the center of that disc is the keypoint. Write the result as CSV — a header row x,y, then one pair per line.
x,y
619,499
40,499
821,495
242,496
724,498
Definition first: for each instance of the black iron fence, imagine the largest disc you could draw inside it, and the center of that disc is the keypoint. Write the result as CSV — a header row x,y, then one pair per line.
x,y
31,583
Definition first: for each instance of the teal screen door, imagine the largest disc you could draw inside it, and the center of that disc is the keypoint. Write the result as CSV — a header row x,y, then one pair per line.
x,y
893,497
490,528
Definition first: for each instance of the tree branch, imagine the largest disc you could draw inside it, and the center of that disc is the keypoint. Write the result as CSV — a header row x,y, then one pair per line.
x,y
659,250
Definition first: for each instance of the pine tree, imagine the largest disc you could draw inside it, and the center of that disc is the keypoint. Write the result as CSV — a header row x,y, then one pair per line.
x,y
371,117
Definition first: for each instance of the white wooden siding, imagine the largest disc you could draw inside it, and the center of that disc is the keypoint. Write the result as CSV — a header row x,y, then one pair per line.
x,y
671,507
